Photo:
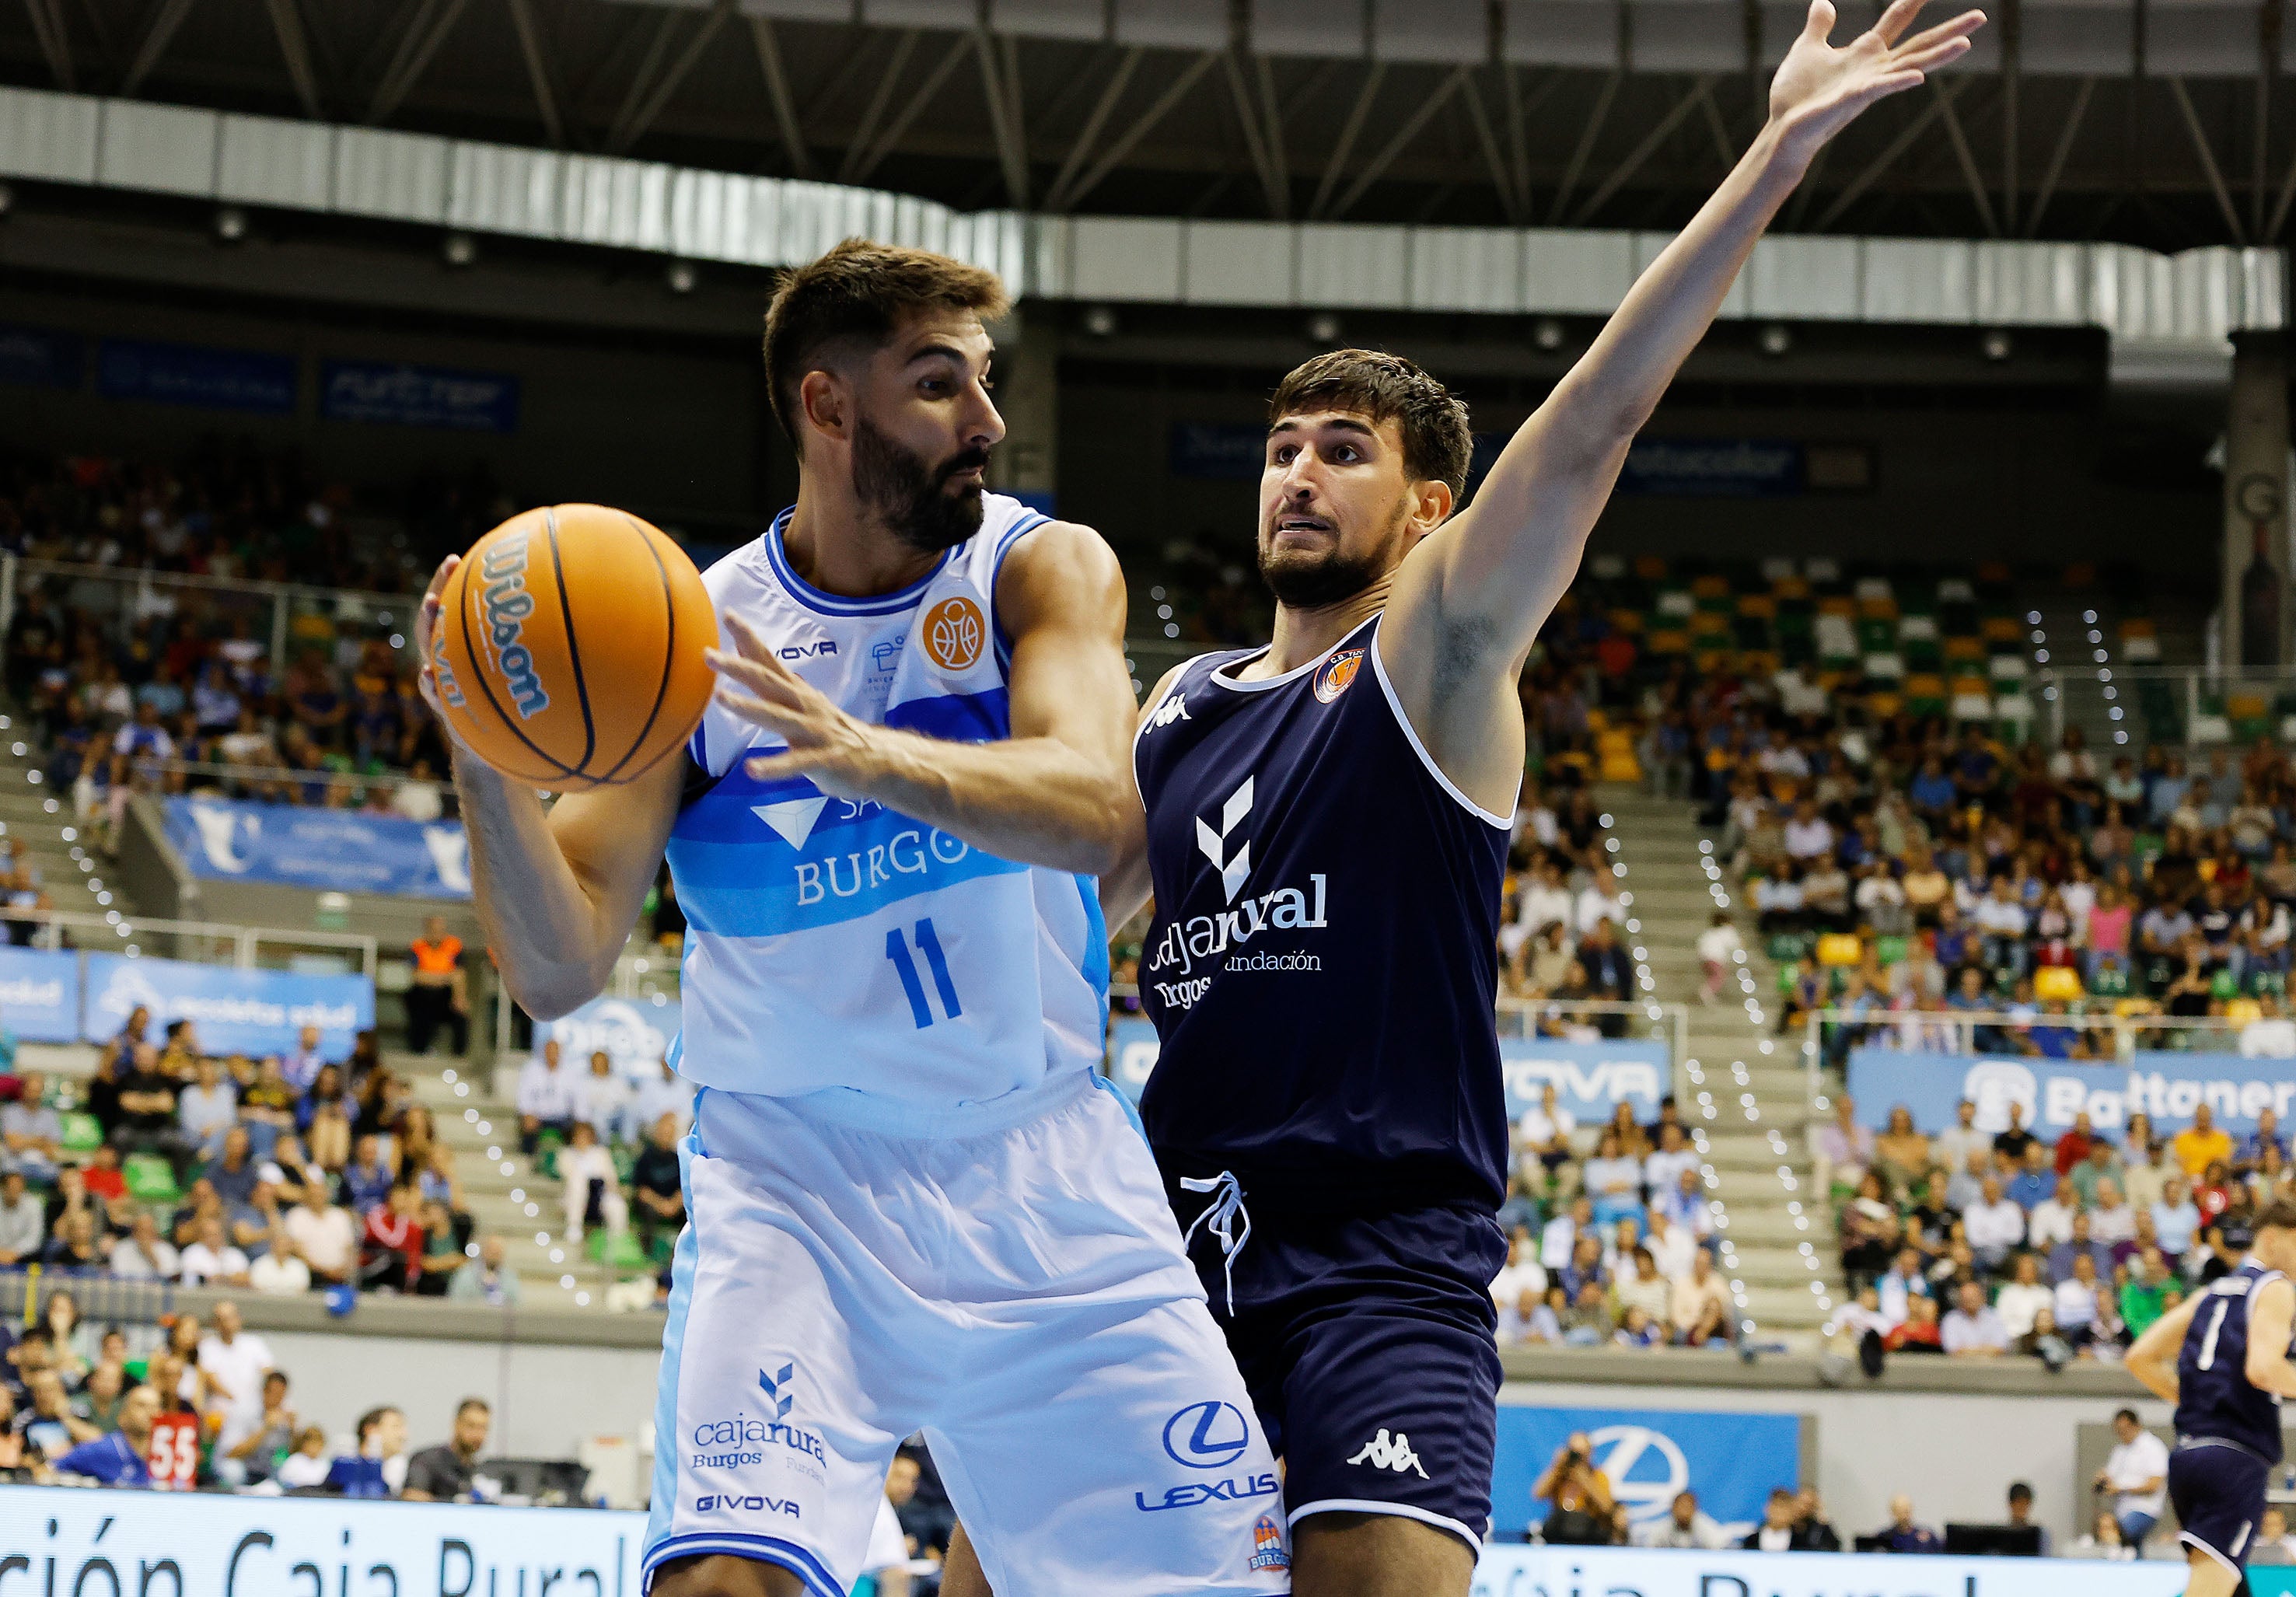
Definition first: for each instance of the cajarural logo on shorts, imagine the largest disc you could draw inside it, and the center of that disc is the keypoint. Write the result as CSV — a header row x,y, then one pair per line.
x,y
1197,941
742,1439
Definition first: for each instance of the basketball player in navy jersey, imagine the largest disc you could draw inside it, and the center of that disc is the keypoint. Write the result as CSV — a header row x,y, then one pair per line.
x,y
1326,827
2229,1345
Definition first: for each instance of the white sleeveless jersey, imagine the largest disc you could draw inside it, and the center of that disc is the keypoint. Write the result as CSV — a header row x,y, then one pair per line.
x,y
837,945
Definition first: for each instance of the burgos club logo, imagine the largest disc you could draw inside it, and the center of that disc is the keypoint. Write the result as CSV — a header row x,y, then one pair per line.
x,y
1338,673
954,632
745,1439
1208,1435
1267,1550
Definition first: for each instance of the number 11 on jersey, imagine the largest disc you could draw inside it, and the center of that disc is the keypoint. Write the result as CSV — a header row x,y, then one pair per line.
x,y
897,949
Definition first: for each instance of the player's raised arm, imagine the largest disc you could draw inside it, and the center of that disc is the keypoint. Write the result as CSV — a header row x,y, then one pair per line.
x,y
557,889
1056,792
1477,592
2152,1358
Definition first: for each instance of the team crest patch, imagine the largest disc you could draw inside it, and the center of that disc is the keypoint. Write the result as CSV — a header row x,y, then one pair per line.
x,y
1338,673
1267,1549
954,630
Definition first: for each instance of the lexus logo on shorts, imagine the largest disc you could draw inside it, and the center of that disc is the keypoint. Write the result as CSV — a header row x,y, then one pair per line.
x,y
954,632
1207,1436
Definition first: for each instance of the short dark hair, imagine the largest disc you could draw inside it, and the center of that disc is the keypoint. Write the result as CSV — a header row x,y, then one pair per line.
x,y
468,1404
1438,444
368,1421
2280,1212
856,295
2017,1490
2129,1414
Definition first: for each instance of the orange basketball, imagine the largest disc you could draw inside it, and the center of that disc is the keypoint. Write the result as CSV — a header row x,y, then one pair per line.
x,y
569,647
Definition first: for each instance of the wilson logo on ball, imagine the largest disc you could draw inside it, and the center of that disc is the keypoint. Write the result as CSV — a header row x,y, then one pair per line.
x,y
506,605
953,631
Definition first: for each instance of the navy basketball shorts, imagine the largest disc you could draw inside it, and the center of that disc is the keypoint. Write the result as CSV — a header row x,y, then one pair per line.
x,y
2217,1489
1369,1346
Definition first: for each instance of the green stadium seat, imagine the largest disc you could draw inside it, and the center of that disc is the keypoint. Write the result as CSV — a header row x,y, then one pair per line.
x,y
82,1132
150,1180
617,1250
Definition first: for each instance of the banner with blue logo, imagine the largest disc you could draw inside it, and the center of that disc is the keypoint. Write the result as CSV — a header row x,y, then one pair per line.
x,y
1219,451
248,379
348,851
1590,1079
236,1011
1132,1049
33,358
2167,1086
1732,1461
39,995
635,1032
367,391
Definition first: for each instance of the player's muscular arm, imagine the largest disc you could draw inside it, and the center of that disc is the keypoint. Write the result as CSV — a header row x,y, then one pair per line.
x,y
1056,793
1124,885
2153,1359
556,889
1469,602
2269,1326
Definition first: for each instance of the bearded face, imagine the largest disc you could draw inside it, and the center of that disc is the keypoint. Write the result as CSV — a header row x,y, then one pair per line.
x,y
928,504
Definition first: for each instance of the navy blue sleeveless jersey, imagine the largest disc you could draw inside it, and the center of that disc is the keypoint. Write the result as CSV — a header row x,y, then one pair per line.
x,y
2214,1396
1323,963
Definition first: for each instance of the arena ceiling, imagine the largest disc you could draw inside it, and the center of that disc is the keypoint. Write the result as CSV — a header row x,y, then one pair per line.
x,y
2160,123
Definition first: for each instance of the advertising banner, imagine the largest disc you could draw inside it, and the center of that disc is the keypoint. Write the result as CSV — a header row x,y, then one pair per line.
x,y
1732,1461
365,391
2167,1086
161,1543
1712,468
246,379
1590,1078
39,995
253,1012
1132,1049
33,357
635,1032
1521,1572
348,851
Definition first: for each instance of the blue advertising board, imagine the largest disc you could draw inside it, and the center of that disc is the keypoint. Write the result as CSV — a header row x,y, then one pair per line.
x,y
407,396
1732,1461
1132,1049
39,995
1519,1571
1590,1079
1219,451
635,1032
236,1012
2167,1086
348,851
248,379
33,357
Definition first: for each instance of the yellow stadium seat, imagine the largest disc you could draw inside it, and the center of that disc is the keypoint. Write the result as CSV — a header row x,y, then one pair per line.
x,y
1671,641
1881,706
1880,608
1709,587
1790,587
1837,604
2001,630
1840,948
2241,1011
1709,621
1650,567
1958,648
1626,620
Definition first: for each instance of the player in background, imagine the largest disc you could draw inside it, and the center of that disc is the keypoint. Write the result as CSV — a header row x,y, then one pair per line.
x,y
914,1203
1325,830
2221,1356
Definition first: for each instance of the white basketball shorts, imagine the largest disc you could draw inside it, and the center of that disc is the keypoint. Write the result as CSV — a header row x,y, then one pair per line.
x,y
1017,1292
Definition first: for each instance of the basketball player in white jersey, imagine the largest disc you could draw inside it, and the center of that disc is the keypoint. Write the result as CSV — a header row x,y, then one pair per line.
x,y
1327,1107
914,1203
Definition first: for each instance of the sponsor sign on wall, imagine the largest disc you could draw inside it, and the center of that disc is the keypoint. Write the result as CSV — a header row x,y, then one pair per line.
x,y
246,379
408,396
635,1032
2167,1086
253,1012
348,851
1732,1461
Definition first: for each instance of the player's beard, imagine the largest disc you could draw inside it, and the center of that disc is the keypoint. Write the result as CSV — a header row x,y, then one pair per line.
x,y
1318,581
911,494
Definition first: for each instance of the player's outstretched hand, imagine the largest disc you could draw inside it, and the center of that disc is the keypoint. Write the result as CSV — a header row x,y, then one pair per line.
x,y
825,743
1820,89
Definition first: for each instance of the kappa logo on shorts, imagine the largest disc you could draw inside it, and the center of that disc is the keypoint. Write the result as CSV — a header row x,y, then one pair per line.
x,y
1383,1454
953,631
1267,1549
